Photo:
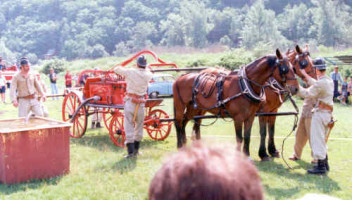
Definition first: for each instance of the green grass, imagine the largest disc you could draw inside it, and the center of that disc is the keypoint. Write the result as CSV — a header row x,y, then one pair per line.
x,y
99,171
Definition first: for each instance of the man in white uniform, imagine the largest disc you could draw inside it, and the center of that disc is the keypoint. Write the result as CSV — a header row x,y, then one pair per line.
x,y
323,91
137,80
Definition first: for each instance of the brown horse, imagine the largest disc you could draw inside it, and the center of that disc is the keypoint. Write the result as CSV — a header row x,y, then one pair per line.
x,y
275,95
242,93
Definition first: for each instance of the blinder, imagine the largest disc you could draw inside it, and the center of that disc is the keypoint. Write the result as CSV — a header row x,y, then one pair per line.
x,y
302,63
283,69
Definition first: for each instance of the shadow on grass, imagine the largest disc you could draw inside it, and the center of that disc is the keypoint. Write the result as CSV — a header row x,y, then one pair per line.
x,y
322,183
125,165
102,142
34,184
99,142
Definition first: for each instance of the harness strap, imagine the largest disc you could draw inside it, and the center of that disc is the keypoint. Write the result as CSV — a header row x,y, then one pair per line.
x,y
245,86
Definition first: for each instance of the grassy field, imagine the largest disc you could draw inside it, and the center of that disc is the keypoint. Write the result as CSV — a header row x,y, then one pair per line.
x,y
99,171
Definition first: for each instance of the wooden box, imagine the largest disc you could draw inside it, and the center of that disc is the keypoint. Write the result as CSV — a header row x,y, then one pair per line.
x,y
37,149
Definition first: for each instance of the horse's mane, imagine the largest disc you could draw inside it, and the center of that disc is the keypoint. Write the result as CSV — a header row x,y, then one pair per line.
x,y
271,59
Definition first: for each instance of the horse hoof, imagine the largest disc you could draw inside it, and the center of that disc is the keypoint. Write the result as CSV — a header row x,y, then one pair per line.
x,y
267,158
275,155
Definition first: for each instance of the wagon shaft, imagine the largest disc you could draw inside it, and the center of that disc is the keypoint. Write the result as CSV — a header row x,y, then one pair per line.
x,y
179,69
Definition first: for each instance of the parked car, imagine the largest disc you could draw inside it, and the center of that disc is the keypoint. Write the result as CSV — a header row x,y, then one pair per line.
x,y
160,85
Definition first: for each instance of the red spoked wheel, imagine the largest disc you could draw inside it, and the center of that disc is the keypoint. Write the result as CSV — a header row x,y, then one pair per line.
x,y
108,114
116,129
69,106
156,129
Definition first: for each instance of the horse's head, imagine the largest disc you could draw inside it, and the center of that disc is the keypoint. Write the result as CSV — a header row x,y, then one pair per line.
x,y
302,60
284,74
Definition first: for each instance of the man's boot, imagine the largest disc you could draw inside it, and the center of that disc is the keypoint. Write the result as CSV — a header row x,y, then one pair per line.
x,y
130,150
318,169
93,125
327,163
136,148
98,125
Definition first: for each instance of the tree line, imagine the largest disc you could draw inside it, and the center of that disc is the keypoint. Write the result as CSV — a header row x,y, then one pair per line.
x,y
75,29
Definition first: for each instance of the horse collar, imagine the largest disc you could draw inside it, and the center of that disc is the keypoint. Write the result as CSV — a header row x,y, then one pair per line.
x,y
247,89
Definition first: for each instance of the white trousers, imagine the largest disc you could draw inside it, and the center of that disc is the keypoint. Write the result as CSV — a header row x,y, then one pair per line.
x,y
27,105
318,133
134,131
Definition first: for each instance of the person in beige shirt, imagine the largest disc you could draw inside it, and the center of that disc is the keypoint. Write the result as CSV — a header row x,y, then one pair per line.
x,y
323,91
24,91
137,80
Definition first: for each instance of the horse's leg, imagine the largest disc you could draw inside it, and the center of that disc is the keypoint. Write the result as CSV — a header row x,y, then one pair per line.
x,y
239,138
179,109
271,144
196,126
262,149
178,125
183,131
247,134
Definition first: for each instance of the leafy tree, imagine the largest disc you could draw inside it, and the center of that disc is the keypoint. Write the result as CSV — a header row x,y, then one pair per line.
x,y
143,33
260,26
98,51
57,64
332,19
173,31
195,16
137,11
297,23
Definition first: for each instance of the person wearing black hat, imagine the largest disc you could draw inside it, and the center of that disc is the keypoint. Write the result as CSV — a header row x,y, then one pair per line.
x,y
323,90
137,80
27,86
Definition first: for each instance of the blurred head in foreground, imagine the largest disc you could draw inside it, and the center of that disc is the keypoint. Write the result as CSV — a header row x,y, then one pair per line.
x,y
201,172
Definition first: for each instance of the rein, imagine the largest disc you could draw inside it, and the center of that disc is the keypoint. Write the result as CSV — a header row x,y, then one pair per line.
x,y
293,129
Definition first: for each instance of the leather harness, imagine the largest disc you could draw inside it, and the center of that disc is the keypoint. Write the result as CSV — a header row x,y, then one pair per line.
x,y
244,82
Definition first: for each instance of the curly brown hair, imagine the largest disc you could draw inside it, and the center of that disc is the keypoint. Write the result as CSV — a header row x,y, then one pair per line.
x,y
200,172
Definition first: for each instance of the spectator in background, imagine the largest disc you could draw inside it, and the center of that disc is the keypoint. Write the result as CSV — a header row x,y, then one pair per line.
x,y
97,116
200,172
68,79
2,64
75,79
336,77
349,88
344,92
2,87
82,79
41,102
53,79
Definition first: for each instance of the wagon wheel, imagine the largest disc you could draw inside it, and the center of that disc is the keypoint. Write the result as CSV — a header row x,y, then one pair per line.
x,y
69,106
108,114
156,129
116,129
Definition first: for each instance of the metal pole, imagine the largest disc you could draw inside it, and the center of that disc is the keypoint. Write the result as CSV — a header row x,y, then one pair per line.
x,y
179,69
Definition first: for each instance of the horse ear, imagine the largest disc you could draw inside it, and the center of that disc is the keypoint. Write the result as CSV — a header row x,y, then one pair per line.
x,y
278,54
298,49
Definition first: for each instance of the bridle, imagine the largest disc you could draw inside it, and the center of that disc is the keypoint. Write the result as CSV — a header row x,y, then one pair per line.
x,y
283,70
303,63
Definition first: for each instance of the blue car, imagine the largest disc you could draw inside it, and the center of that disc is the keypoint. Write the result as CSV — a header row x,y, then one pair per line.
x,y
160,85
